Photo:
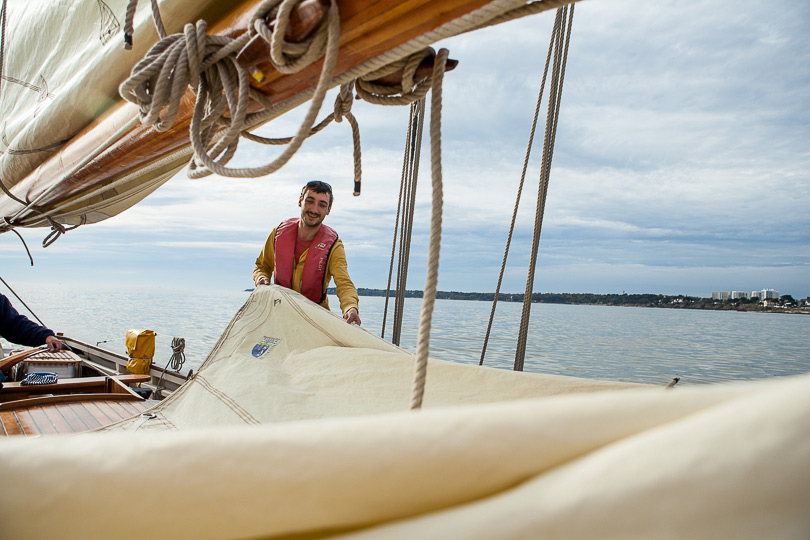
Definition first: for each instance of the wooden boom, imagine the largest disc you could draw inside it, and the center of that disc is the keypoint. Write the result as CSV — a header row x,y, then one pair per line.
x,y
368,29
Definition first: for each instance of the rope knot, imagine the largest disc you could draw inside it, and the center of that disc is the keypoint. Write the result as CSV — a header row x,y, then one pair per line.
x,y
343,101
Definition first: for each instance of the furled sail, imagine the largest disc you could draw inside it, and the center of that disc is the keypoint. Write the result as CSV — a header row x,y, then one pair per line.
x,y
297,426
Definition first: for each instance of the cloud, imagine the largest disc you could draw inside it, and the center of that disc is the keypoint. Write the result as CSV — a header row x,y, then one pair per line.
x,y
680,165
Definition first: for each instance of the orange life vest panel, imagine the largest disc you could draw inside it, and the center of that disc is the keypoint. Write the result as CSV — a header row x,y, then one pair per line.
x,y
312,281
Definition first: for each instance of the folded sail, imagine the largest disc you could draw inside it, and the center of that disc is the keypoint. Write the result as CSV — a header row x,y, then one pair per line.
x,y
297,425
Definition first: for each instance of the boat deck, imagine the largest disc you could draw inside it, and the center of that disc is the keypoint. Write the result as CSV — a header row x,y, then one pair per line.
x,y
73,414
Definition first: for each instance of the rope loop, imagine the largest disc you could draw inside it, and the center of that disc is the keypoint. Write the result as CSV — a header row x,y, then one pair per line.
x,y
287,57
408,91
57,230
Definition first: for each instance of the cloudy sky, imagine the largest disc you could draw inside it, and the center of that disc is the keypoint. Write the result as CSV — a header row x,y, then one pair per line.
x,y
682,166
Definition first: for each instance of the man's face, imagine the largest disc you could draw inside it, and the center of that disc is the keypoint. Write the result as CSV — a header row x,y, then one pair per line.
x,y
314,208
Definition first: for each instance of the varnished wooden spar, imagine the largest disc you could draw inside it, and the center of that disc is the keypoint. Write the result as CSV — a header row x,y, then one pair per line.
x,y
368,29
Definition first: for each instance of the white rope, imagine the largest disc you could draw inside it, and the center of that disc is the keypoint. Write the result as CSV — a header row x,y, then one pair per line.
x,y
429,296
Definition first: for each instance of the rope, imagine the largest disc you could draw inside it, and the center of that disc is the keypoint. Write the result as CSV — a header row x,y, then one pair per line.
x,y
404,93
429,297
22,302
493,12
562,38
176,361
178,357
2,47
529,147
208,63
129,22
396,223
405,209
57,230
28,251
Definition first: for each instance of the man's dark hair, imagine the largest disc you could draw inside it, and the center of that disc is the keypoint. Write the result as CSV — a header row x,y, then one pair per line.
x,y
318,186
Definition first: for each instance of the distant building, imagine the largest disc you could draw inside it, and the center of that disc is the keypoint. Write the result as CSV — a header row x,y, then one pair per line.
x,y
769,294
722,295
736,295
755,294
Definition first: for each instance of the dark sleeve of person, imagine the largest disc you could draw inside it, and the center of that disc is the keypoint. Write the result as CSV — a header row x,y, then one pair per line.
x,y
18,329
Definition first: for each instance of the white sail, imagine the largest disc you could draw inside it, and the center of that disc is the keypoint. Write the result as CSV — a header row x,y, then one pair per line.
x,y
297,424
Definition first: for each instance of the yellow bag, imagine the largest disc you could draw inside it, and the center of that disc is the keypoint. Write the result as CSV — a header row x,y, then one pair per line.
x,y
141,350
139,366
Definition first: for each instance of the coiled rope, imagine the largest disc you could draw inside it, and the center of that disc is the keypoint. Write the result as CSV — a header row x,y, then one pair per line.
x,y
176,361
208,64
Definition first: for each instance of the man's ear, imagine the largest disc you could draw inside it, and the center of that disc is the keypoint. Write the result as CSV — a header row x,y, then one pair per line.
x,y
300,200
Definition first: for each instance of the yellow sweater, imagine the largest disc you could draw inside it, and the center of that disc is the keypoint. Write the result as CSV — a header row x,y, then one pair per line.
x,y
336,268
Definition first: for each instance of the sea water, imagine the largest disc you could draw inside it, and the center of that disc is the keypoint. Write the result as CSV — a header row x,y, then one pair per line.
x,y
650,345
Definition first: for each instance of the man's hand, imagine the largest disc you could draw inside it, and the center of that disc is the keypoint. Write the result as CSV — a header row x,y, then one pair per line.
x,y
263,281
352,316
54,345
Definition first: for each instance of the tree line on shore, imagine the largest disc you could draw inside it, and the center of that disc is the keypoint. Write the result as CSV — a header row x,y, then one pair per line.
x,y
634,300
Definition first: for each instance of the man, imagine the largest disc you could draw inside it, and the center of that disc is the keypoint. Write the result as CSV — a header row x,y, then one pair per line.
x,y
18,329
304,254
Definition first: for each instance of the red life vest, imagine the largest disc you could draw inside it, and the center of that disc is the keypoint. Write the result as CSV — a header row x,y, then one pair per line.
x,y
312,281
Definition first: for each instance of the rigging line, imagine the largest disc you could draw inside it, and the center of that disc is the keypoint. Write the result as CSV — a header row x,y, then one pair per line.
x,y
2,42
432,278
529,147
407,226
30,258
555,96
22,301
396,221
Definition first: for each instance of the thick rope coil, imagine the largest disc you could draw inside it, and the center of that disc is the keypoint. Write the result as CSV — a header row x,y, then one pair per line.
x,y
208,65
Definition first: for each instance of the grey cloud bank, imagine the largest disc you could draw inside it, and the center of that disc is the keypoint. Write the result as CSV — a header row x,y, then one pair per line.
x,y
681,166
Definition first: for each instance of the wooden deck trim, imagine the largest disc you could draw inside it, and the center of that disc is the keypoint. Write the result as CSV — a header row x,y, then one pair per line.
x,y
68,414
69,398
14,391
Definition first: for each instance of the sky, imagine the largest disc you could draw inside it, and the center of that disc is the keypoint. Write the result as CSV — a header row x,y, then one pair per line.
x,y
681,166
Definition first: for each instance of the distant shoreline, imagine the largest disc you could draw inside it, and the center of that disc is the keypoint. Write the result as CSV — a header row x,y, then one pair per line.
x,y
627,300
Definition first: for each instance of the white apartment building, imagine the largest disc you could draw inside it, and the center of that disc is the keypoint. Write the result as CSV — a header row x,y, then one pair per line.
x,y
736,295
765,294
